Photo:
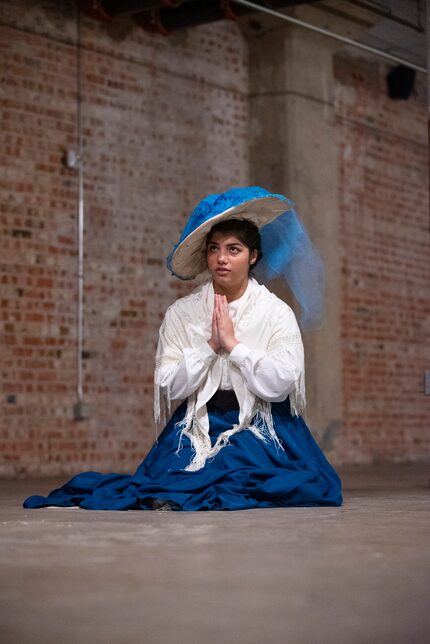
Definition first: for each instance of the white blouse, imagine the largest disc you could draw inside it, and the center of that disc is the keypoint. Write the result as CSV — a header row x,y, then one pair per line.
x,y
266,366
271,377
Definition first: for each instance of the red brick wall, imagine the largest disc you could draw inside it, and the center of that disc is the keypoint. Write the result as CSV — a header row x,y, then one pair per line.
x,y
385,266
165,122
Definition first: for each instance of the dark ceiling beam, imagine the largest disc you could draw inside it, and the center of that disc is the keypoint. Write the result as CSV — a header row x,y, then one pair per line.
x,y
194,13
110,9
198,12
121,8
166,16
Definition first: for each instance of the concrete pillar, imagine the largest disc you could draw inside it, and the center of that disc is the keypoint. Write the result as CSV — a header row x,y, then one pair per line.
x,y
294,150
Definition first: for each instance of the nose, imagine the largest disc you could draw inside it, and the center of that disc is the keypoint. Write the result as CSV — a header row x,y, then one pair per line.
x,y
222,259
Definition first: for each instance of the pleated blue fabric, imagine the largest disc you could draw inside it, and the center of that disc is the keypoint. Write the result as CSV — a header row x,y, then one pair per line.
x,y
247,473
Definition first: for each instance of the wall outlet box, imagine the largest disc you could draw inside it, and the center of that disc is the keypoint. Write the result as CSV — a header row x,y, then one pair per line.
x,y
427,382
81,411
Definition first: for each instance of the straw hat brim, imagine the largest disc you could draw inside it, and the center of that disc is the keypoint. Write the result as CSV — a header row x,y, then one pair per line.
x,y
189,258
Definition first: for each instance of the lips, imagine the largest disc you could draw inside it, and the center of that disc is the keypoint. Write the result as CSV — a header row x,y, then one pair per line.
x,y
222,271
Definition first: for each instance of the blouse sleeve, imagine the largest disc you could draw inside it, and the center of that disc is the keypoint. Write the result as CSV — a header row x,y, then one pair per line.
x,y
189,372
273,374
180,369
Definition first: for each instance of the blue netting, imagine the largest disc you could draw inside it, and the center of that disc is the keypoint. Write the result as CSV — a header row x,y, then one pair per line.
x,y
289,253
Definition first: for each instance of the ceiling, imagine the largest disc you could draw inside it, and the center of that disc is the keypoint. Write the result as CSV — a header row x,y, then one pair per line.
x,y
394,26
400,29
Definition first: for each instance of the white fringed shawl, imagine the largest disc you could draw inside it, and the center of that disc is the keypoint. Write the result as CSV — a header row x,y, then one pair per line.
x,y
257,324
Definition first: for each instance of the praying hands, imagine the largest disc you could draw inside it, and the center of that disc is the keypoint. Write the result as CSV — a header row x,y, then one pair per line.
x,y
222,326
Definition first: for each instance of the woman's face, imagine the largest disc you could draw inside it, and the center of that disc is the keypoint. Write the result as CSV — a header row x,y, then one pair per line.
x,y
228,260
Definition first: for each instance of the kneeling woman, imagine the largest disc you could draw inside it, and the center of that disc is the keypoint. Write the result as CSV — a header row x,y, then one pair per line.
x,y
232,352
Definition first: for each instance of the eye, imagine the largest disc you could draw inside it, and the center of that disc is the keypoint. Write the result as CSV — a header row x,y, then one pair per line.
x,y
211,247
234,249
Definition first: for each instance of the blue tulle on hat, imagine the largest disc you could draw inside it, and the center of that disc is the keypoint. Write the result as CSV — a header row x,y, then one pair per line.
x,y
288,252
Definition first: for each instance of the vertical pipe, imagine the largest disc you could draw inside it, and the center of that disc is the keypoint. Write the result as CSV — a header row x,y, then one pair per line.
x,y
427,371
428,76
79,407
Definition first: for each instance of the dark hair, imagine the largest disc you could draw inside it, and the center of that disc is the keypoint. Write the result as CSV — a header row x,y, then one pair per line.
x,y
244,230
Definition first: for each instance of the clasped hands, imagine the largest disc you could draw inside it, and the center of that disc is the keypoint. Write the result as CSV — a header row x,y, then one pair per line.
x,y
222,326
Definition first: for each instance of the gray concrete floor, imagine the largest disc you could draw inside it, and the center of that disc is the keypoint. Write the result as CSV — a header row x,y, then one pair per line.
x,y
355,574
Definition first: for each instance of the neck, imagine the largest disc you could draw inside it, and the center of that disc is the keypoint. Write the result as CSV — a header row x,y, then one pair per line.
x,y
232,293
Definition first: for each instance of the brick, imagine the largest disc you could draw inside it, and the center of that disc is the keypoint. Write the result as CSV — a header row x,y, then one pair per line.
x,y
162,123
385,301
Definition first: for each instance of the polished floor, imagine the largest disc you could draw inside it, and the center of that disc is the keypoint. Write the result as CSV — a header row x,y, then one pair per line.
x,y
359,574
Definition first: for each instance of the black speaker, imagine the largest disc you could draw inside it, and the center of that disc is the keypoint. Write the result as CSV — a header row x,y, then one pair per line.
x,y
400,82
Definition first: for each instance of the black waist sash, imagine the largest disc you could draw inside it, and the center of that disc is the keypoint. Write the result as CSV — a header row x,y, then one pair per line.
x,y
223,400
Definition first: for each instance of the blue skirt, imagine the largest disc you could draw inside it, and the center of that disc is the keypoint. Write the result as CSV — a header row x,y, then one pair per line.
x,y
247,473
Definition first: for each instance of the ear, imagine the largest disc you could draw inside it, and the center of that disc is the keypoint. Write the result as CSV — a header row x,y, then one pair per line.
x,y
253,257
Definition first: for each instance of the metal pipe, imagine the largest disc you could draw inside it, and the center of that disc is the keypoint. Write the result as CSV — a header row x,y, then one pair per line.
x,y
428,77
79,415
330,34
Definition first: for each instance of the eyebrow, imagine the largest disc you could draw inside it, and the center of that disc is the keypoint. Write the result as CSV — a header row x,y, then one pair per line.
x,y
238,243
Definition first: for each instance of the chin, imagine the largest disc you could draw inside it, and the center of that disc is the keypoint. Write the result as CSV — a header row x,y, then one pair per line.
x,y
223,279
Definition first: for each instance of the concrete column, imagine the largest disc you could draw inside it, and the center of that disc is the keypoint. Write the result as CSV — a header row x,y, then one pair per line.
x,y
294,150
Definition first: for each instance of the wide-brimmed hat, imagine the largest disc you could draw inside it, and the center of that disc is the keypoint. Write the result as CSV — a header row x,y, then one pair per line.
x,y
288,251
187,259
